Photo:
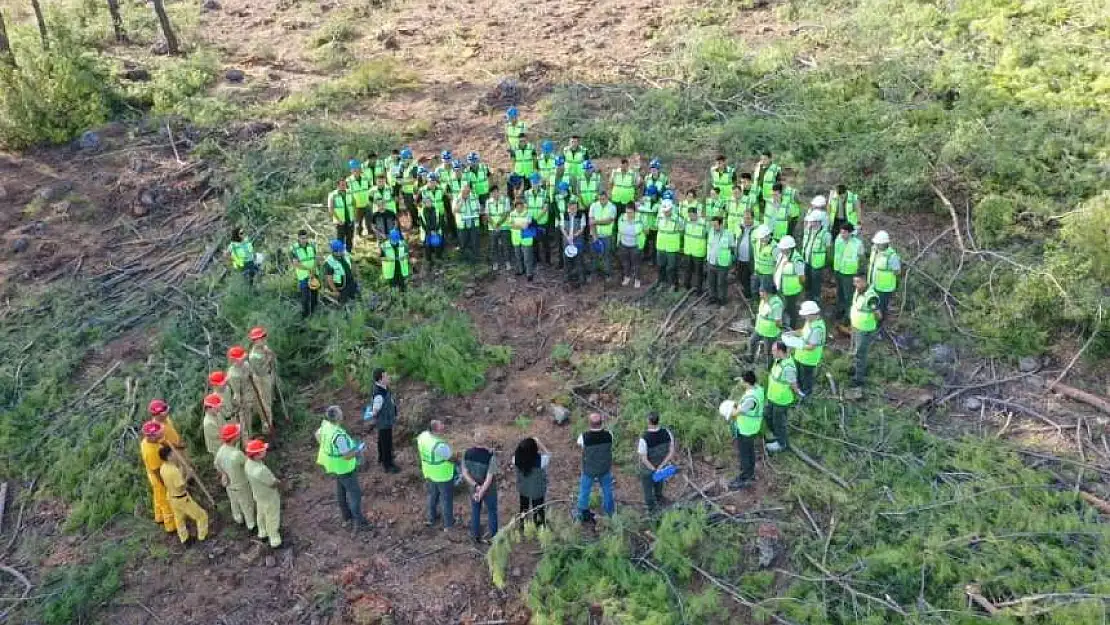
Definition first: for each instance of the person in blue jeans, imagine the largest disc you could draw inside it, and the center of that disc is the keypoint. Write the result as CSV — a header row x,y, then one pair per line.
x,y
479,466
597,467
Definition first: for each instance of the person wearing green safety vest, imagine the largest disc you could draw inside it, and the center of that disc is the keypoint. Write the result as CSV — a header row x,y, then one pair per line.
x,y
656,178
572,227
341,207
766,175
631,238
782,393
515,129
691,202
438,469
524,158
241,253
882,270
603,217
646,213
395,260
718,260
497,222
813,337
695,234
359,186
431,230
745,251
546,165
521,235
536,200
576,156
623,182
589,185
722,176
789,275
338,453
477,175
847,262
409,181
338,274
763,258
562,199
714,205
746,422
790,201
375,167
437,196
383,192
865,325
468,212
845,206
382,220
303,256
776,214
768,323
669,242
393,171
815,252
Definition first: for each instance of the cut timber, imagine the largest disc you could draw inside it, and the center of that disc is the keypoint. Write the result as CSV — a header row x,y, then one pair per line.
x,y
1096,502
3,503
818,466
974,593
1091,400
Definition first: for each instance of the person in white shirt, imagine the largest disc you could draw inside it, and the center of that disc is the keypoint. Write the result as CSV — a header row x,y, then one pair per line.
x,y
656,449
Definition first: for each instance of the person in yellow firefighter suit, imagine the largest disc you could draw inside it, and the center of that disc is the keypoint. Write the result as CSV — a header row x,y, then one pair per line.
x,y
181,503
148,451
264,487
244,398
160,413
231,465
213,421
263,368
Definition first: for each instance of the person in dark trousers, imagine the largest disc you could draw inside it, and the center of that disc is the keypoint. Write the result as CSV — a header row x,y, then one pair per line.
x,y
431,223
479,466
530,461
746,422
572,227
656,450
382,414
339,454
341,206
597,467
305,264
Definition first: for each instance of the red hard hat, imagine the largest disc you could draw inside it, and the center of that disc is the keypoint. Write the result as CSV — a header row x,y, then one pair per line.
x,y
229,432
158,406
257,333
213,400
152,429
217,378
236,352
256,446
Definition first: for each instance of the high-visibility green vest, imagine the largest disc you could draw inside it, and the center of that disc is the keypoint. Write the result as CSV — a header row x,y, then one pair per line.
x,y
478,179
537,208
547,169
791,282
496,208
561,202
385,194
766,323
513,130
359,189
242,252
575,161
524,160
338,274
722,180
391,256
659,181
641,232
306,254
881,277
694,238
437,195
685,205
779,392
519,220
715,208
343,207
646,212
850,203
469,210
846,255
816,248
669,238
408,178
624,186
862,316
588,187
764,256
750,423
392,170
433,468
769,178
724,248
599,211
811,356
328,455
790,200
775,218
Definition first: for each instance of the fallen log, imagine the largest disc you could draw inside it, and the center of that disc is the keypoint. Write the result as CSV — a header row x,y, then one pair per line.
x,y
1071,392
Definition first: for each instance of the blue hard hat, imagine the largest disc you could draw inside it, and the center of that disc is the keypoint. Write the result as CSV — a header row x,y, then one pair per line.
x,y
473,157
534,178
511,113
421,171
560,161
337,245
394,236
599,246
655,164
433,176
588,165
668,195
651,191
563,186
456,164
406,153
547,146
354,164
434,240
515,179
445,155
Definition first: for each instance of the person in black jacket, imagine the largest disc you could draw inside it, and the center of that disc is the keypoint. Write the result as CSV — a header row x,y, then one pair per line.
x,y
597,466
382,414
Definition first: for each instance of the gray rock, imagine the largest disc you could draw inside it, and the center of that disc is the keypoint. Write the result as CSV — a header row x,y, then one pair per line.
x,y
766,551
89,141
148,197
1029,364
160,47
942,354
136,74
210,5
972,404
559,414
270,562
138,165
19,245
54,192
235,75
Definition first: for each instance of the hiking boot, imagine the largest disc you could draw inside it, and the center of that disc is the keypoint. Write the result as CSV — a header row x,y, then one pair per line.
x,y
625,281
636,284
508,266
774,447
495,266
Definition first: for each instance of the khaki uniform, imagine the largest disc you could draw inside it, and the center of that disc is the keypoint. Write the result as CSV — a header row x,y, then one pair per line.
x,y
231,463
267,501
244,400
211,426
262,367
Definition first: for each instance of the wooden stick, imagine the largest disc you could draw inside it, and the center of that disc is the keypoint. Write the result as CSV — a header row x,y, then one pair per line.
x,y
3,503
1071,392
818,466
1103,506
188,466
951,211
258,398
973,593
889,604
1020,408
1075,358
736,596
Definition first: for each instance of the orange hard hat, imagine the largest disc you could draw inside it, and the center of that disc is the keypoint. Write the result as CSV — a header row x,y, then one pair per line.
x,y
256,446
158,406
229,432
257,333
152,429
236,352
213,400
217,378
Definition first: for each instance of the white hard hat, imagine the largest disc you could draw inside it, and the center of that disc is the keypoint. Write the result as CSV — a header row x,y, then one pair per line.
x,y
818,201
787,243
761,232
570,251
727,408
809,307
881,238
